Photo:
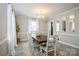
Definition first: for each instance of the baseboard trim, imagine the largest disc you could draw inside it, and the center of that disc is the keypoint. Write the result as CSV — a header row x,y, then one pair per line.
x,y
69,44
67,34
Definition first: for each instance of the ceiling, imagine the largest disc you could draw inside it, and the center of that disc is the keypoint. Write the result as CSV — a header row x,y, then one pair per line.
x,y
46,9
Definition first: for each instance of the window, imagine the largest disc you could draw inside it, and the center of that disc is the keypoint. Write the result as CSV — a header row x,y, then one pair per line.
x,y
57,26
33,25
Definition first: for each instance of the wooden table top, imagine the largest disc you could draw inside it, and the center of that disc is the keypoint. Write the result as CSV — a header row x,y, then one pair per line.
x,y
41,38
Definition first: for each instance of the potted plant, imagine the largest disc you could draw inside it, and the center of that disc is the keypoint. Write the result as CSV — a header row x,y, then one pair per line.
x,y
17,31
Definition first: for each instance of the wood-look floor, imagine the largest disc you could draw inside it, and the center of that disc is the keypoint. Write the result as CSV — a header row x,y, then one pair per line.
x,y
24,49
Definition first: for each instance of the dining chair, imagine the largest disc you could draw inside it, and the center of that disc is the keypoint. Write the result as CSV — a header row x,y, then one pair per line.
x,y
50,46
33,43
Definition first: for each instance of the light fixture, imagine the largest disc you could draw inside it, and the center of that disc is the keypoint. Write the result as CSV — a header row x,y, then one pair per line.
x,y
41,10
41,17
38,16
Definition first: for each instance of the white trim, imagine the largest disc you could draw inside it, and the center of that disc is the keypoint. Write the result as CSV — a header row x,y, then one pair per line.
x,y
68,34
67,11
69,44
1,42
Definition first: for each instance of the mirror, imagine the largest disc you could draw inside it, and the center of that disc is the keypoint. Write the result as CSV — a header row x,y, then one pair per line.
x,y
51,28
71,23
57,26
64,24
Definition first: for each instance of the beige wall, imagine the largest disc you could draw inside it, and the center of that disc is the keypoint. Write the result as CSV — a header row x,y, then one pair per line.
x,y
3,29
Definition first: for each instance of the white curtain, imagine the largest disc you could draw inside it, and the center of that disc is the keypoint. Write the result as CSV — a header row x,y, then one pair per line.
x,y
14,28
11,30
29,27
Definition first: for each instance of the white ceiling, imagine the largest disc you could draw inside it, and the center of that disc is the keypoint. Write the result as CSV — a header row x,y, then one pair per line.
x,y
48,9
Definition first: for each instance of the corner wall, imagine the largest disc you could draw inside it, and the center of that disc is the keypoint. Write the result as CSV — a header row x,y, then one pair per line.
x,y
3,29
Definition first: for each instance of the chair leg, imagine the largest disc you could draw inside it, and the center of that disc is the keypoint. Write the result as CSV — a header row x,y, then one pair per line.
x,y
40,50
46,53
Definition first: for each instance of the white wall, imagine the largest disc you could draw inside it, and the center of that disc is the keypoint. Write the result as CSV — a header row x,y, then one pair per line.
x,y
77,20
22,21
3,29
43,25
68,37
3,21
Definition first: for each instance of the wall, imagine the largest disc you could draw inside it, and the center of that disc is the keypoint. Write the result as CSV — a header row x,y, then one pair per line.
x,y
70,38
3,29
43,23
22,21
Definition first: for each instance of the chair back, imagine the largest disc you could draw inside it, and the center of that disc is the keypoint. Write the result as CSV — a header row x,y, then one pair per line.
x,y
52,43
